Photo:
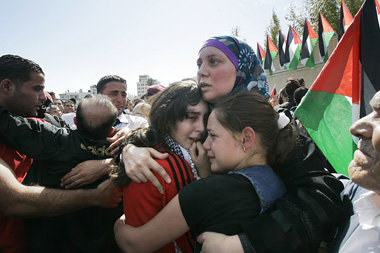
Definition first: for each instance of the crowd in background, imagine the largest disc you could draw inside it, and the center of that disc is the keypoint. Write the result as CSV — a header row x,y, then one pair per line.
x,y
213,164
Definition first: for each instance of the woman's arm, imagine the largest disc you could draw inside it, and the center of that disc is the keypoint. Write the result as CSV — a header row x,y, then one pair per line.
x,y
138,163
165,227
219,243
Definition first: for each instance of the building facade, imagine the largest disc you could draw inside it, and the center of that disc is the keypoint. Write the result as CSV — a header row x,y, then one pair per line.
x,y
142,85
77,95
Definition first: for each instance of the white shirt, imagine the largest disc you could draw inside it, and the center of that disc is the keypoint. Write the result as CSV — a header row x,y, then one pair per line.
x,y
69,119
365,237
130,121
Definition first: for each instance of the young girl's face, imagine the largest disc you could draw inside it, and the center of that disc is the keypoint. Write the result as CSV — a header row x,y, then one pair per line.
x,y
190,129
223,147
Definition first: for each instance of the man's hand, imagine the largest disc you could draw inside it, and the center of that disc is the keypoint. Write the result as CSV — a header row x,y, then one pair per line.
x,y
107,195
199,157
86,172
219,243
138,163
117,139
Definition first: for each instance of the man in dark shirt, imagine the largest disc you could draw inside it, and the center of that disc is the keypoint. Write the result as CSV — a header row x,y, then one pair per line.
x,y
22,93
56,151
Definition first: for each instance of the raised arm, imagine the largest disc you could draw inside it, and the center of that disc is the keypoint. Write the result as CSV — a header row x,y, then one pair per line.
x,y
20,200
165,227
31,137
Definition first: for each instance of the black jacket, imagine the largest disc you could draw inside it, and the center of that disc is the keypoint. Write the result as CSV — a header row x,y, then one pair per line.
x,y
55,152
308,213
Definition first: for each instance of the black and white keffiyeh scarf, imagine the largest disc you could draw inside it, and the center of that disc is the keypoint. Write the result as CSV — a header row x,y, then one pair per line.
x,y
181,152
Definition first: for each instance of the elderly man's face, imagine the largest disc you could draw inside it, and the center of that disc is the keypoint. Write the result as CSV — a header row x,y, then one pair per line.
x,y
364,169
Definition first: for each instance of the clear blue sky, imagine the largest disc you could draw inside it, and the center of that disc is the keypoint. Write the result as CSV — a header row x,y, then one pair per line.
x,y
77,42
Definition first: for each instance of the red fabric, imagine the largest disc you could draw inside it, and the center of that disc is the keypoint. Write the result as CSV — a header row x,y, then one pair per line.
x,y
342,73
143,201
13,236
18,162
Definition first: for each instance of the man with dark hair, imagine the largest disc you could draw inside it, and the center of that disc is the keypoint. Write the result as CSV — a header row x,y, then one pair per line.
x,y
101,85
69,106
20,78
56,151
22,93
69,114
115,88
299,93
59,103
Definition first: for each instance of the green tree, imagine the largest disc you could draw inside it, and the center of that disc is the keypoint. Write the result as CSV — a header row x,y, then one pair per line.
x,y
295,19
330,10
354,5
151,81
235,31
273,29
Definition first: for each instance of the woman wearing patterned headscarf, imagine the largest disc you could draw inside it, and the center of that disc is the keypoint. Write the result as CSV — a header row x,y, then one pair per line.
x,y
226,66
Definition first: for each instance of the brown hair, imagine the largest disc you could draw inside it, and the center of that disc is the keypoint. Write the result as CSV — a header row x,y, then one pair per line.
x,y
169,106
250,109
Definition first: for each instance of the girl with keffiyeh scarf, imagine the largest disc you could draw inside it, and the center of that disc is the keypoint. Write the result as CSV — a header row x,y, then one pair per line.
x,y
177,123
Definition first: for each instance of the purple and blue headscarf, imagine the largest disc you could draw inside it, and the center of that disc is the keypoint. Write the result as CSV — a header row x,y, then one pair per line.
x,y
249,73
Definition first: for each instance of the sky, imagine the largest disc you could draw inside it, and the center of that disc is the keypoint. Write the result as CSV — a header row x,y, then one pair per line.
x,y
78,42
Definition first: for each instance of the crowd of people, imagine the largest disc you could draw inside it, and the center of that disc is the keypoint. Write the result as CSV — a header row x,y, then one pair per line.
x,y
205,165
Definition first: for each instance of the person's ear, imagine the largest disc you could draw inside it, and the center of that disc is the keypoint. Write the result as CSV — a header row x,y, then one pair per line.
x,y
75,120
249,137
7,86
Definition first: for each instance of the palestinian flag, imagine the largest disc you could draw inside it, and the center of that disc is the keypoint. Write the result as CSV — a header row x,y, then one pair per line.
x,y
341,92
325,33
260,54
309,39
281,49
274,92
270,54
345,19
293,48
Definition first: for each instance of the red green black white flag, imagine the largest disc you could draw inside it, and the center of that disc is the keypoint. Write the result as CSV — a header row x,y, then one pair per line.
x,y
274,92
293,48
270,54
281,49
309,39
325,33
345,19
341,93
260,54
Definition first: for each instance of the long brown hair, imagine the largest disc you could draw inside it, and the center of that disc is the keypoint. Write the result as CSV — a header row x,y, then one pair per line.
x,y
250,109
